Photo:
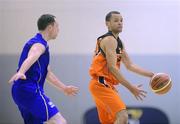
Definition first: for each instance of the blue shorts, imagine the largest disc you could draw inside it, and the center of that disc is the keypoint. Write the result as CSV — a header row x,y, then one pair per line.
x,y
34,106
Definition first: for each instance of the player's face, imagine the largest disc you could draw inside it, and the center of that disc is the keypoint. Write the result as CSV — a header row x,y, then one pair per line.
x,y
54,30
116,23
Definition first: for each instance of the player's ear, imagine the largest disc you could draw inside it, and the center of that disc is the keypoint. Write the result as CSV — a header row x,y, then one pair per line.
x,y
49,27
107,23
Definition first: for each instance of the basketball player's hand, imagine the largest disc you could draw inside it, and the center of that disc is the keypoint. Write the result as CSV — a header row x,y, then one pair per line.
x,y
138,92
17,76
71,90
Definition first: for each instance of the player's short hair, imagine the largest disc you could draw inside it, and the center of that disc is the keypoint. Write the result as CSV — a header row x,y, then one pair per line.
x,y
45,20
109,15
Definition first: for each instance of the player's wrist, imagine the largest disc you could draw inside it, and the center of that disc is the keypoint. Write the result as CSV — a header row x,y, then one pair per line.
x,y
129,87
151,74
64,88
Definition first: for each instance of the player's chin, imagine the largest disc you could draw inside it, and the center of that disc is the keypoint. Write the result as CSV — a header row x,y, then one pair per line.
x,y
54,37
120,30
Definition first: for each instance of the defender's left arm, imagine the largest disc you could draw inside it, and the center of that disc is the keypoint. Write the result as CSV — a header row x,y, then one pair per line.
x,y
52,79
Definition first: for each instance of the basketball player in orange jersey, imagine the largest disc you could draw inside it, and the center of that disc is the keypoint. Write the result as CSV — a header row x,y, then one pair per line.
x,y
104,70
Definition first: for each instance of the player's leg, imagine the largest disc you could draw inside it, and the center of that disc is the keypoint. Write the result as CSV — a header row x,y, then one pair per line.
x,y
121,117
26,115
43,110
56,119
25,100
107,98
54,116
103,114
115,106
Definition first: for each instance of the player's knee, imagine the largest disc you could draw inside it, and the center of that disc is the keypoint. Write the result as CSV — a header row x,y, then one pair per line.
x,y
57,119
63,121
123,116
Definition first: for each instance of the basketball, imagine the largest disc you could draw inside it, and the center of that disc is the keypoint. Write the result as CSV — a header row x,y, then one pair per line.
x,y
160,83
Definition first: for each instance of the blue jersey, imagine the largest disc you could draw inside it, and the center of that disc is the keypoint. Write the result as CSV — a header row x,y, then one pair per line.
x,y
28,94
38,71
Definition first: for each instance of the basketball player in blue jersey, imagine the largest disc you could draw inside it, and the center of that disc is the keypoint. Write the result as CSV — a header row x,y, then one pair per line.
x,y
33,69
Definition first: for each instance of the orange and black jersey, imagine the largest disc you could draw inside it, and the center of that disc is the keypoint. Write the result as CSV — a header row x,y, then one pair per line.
x,y
119,43
99,64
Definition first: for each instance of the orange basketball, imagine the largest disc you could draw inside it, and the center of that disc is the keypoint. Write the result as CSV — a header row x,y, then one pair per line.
x,y
160,83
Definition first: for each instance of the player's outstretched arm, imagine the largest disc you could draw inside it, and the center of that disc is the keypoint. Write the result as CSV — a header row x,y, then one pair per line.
x,y
68,90
33,55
